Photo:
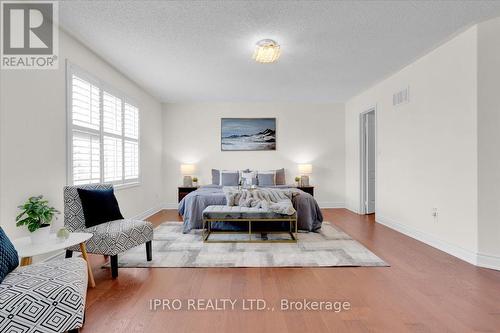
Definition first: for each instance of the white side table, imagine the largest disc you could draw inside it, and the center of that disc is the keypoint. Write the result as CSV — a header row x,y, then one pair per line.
x,y
26,250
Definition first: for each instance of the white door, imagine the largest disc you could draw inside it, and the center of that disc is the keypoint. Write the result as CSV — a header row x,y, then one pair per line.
x,y
370,162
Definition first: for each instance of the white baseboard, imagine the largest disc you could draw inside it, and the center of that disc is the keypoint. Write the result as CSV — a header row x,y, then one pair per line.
x,y
488,261
328,204
55,256
149,212
171,206
456,251
352,209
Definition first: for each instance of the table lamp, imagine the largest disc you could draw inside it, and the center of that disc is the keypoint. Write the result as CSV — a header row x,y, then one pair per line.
x,y
304,170
187,170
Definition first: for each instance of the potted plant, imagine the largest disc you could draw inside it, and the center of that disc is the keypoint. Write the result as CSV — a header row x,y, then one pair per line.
x,y
195,181
37,215
297,180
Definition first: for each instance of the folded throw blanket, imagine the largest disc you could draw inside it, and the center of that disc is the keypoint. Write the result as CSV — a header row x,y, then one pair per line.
x,y
270,199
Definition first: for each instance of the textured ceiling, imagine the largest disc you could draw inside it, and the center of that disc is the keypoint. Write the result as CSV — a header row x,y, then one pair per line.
x,y
202,50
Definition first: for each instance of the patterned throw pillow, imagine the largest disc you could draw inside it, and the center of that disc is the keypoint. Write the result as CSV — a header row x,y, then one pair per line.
x,y
248,178
8,256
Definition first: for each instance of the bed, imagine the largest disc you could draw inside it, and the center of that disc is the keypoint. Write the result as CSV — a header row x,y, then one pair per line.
x,y
309,217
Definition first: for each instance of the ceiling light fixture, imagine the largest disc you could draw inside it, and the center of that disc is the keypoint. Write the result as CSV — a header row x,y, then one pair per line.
x,y
266,51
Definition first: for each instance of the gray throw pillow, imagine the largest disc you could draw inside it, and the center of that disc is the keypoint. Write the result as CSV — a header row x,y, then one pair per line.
x,y
266,178
280,177
229,178
215,177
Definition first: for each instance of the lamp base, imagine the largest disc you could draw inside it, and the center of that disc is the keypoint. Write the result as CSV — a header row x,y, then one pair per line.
x,y
304,181
188,181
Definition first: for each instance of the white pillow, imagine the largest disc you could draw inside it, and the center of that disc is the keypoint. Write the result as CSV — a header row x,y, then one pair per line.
x,y
248,178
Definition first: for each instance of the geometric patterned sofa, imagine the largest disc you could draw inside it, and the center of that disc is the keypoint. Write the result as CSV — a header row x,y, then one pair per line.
x,y
110,238
44,297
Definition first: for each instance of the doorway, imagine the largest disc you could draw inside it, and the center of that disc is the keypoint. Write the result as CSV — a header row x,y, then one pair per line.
x,y
368,160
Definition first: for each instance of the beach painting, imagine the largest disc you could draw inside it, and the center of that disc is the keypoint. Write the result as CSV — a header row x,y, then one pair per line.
x,y
248,134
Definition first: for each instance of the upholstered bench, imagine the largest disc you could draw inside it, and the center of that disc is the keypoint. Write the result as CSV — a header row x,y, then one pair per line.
x,y
44,297
223,213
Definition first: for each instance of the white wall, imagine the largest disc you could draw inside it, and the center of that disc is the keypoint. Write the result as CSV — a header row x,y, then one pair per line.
x,y
33,135
489,143
427,149
306,133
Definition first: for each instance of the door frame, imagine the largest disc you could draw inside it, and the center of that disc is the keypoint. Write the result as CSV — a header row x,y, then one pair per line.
x,y
362,160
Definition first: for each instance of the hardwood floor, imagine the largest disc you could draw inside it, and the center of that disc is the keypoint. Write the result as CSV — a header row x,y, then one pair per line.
x,y
424,290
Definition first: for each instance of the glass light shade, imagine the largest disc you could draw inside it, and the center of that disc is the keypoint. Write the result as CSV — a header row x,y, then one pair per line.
x,y
266,51
187,169
305,169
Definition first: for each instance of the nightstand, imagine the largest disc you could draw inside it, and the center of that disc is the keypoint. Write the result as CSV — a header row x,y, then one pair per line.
x,y
182,191
307,189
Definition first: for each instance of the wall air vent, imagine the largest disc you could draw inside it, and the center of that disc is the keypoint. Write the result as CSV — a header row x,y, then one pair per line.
x,y
401,97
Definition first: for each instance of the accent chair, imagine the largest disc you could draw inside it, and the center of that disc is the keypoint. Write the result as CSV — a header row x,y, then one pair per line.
x,y
110,238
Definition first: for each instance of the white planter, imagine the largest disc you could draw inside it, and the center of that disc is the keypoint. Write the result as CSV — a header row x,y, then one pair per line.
x,y
40,235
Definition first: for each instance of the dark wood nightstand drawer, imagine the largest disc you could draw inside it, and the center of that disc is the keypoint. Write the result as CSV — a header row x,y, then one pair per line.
x,y
307,189
182,191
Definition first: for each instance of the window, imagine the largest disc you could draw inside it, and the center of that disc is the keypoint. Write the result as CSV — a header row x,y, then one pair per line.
x,y
103,132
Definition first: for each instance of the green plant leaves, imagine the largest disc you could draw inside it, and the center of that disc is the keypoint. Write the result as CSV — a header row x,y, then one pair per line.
x,y
35,212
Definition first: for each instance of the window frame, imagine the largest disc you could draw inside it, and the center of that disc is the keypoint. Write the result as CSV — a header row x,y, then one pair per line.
x,y
72,69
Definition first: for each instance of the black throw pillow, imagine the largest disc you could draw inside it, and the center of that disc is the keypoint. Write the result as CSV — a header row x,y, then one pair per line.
x,y
8,256
99,206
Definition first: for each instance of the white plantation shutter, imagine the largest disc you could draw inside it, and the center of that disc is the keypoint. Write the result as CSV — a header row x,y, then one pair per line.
x,y
131,145
103,131
112,114
113,159
85,104
131,162
131,121
86,158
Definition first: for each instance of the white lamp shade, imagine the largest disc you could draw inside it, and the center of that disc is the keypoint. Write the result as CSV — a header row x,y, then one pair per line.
x,y
305,169
187,169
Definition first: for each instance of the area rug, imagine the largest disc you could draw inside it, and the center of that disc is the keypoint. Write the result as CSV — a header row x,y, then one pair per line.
x,y
327,248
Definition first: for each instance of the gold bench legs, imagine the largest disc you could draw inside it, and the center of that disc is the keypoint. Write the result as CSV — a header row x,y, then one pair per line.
x,y
207,231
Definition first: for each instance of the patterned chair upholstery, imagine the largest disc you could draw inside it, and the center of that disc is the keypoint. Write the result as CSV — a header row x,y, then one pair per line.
x,y
110,238
44,297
